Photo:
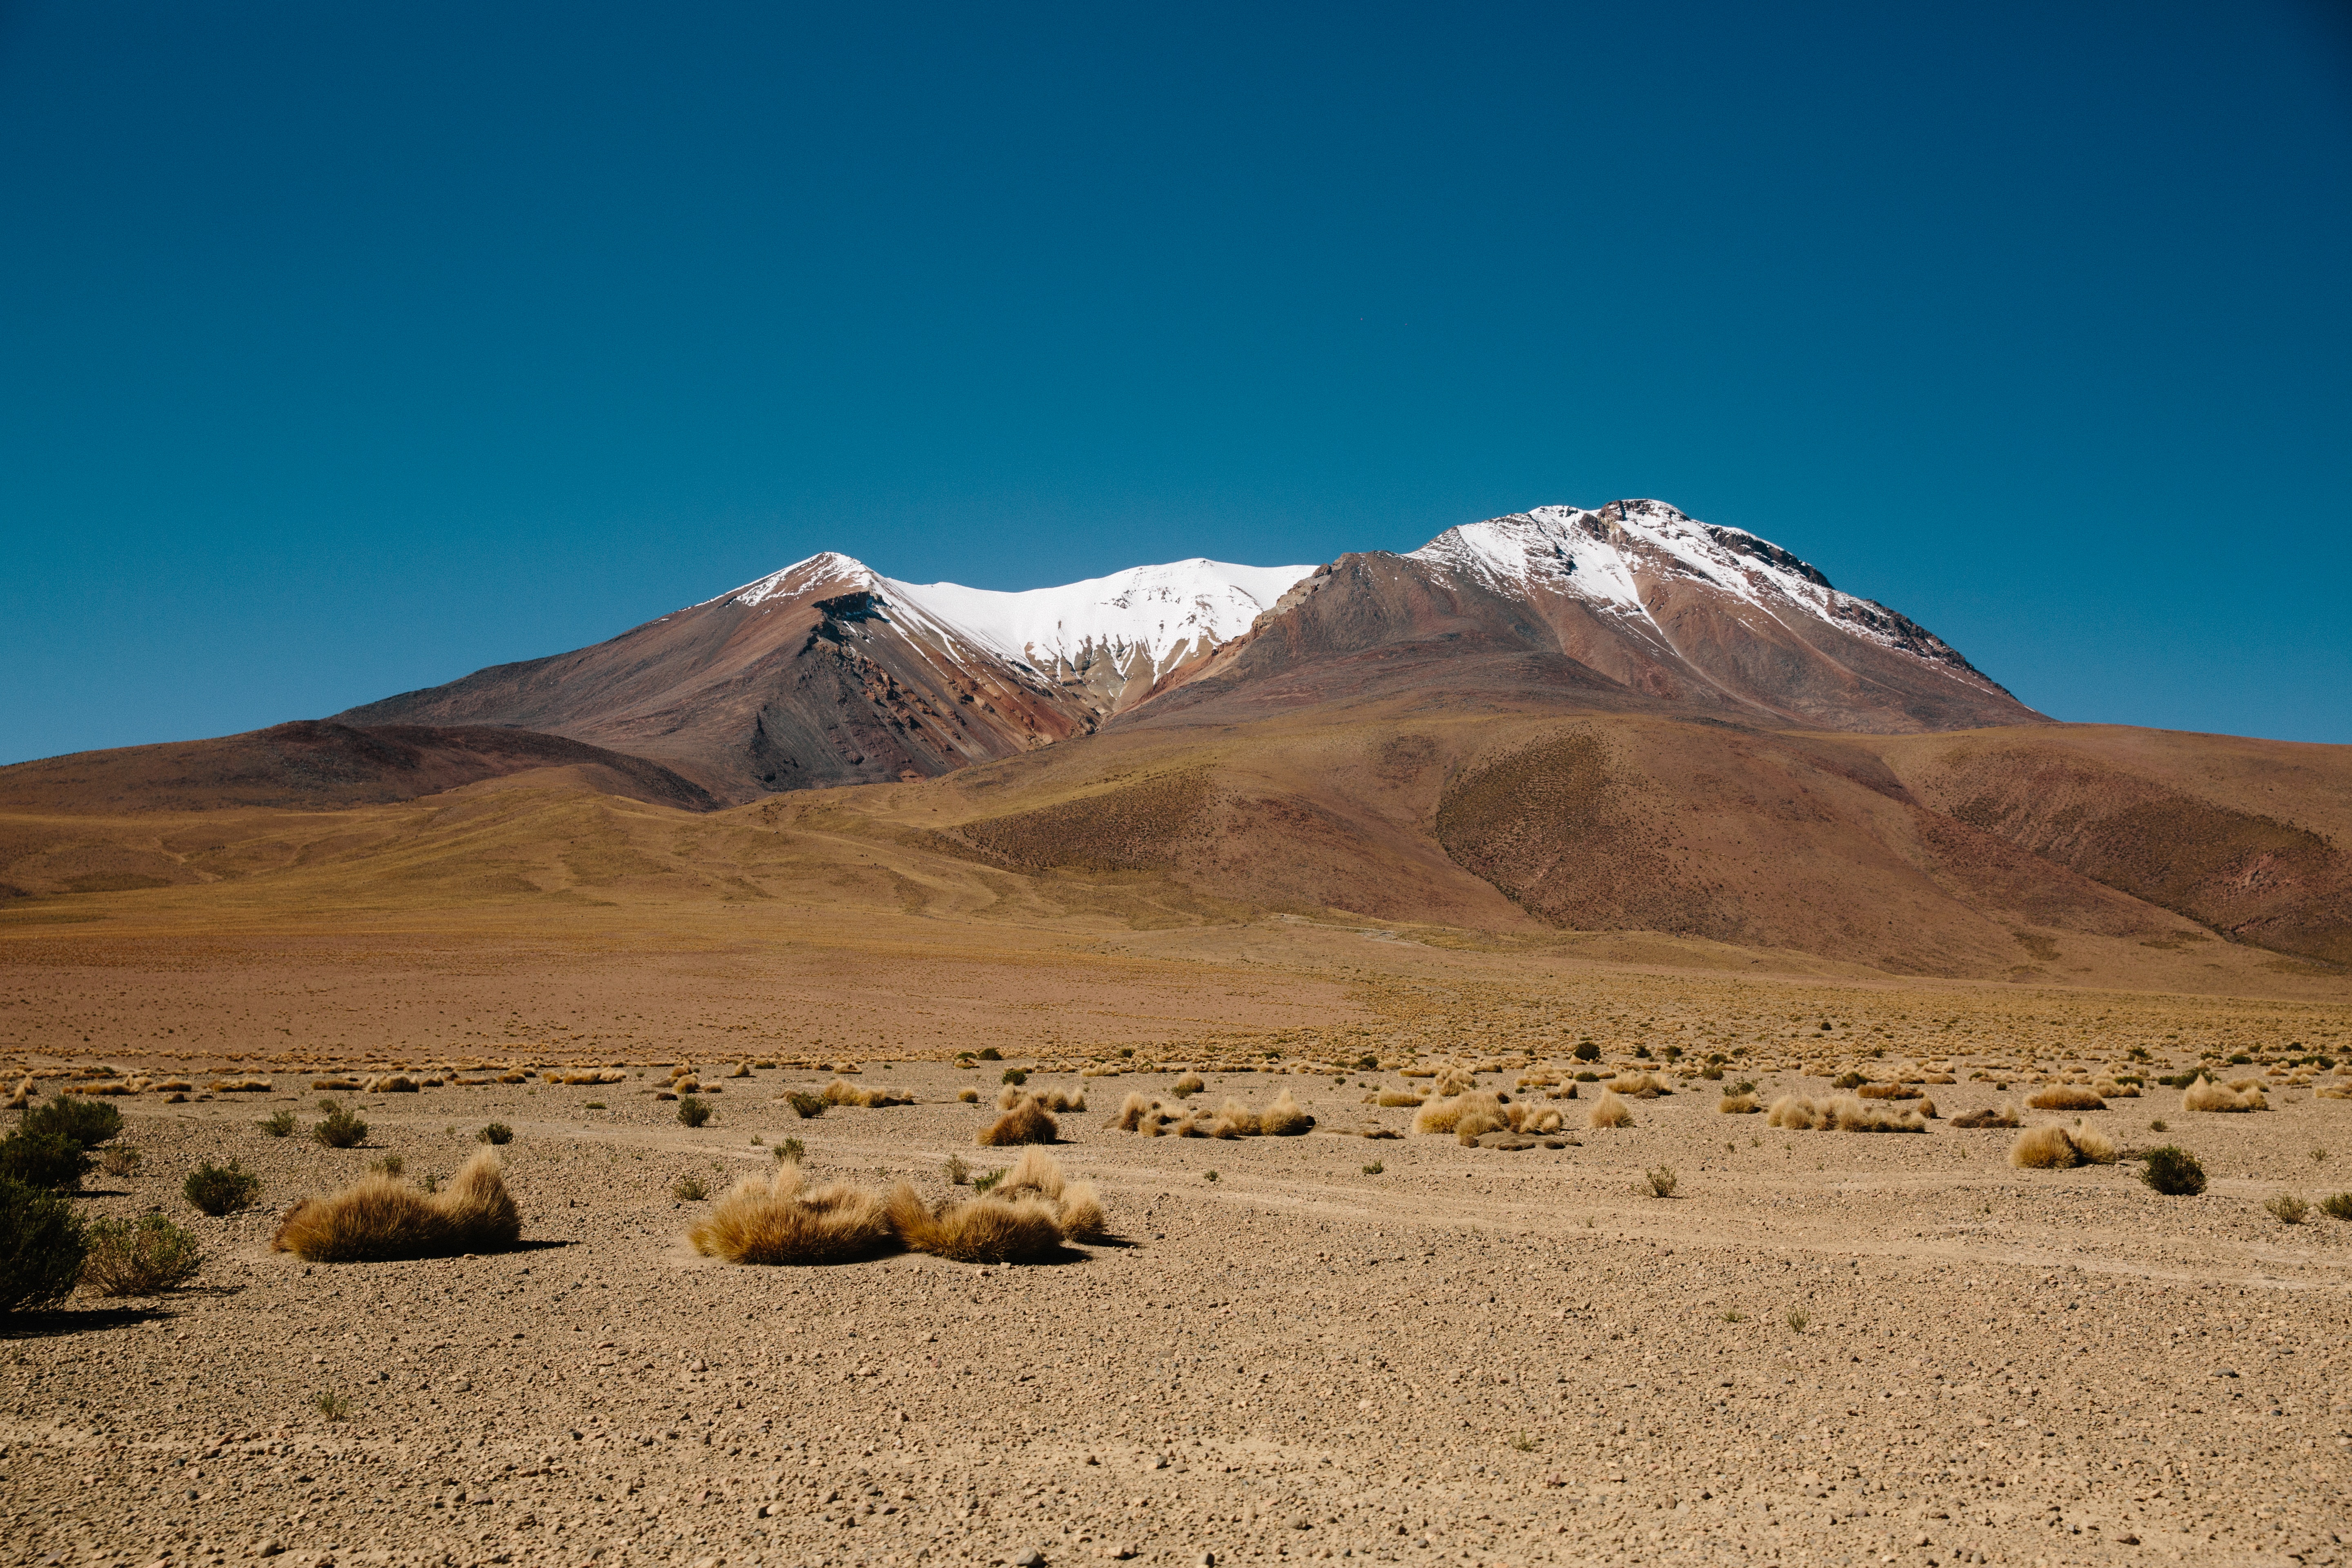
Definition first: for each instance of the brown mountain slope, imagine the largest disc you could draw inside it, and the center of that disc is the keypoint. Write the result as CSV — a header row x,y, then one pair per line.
x,y
316,764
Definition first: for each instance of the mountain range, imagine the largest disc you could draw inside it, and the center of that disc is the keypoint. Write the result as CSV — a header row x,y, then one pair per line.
x,y
1585,719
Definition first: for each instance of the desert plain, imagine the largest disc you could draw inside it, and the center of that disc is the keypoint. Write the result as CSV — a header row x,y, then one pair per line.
x,y
1822,1347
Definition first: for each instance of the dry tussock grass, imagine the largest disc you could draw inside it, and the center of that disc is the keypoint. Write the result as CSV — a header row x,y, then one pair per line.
x,y
2109,1088
576,1076
1841,1113
2207,1095
1395,1099
2065,1097
2333,1092
1609,1110
1737,1105
985,1229
785,1220
381,1218
1886,1091
1446,1114
1056,1099
391,1083
1997,1116
1637,1086
242,1086
1284,1118
2052,1147
840,1091
1453,1081
1190,1083
1026,1123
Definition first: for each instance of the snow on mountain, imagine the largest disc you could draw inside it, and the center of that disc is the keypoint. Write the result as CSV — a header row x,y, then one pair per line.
x,y
1114,635
1604,556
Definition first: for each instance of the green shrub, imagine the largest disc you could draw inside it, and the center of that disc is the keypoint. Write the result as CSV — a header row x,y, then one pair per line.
x,y
690,1189
41,1246
808,1105
277,1124
2337,1207
692,1111
991,1053
1015,1074
1374,1168
496,1132
2287,1208
1586,1051
338,1129
144,1257
2174,1172
792,1151
87,1122
221,1189
46,1159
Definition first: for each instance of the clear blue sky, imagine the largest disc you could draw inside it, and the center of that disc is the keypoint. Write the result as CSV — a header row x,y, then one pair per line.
x,y
344,349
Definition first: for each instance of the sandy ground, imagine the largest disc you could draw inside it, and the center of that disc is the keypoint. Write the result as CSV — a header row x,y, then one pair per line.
x,y
1827,1348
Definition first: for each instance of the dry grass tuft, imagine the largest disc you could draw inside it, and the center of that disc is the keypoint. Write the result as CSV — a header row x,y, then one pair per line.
x,y
2052,1147
1234,1120
1190,1083
1453,1081
1026,1123
1999,1116
1637,1086
1446,1114
2207,1095
1395,1099
2065,1097
1056,1099
391,1083
1843,1113
381,1218
840,1091
2333,1092
578,1075
242,1086
1609,1110
784,1220
1284,1118
988,1229
1737,1105
1133,1111
1886,1091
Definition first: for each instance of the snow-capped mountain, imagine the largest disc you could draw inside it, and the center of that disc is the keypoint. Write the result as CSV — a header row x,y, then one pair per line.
x,y
828,672
1116,636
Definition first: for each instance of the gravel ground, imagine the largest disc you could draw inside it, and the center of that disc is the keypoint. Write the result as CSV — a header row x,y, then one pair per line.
x,y
1827,1347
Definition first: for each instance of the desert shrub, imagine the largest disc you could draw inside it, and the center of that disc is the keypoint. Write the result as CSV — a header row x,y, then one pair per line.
x,y
792,1149
2001,1116
1133,1111
2174,1172
968,1096
2337,1207
1737,1105
784,1220
1886,1091
1284,1119
497,1133
221,1189
145,1256
1609,1111
690,1189
338,1129
1374,1168
1054,1100
805,1104
987,1229
392,1083
987,1179
1638,1086
380,1218
2288,1209
88,1122
42,1245
1586,1051
957,1172
1397,1098
331,1406
47,1159
1798,1320
2065,1097
390,1165
277,1124
988,1054
1662,1180
693,1111
1189,1084
1446,1114
1026,1123
841,1091
1015,1075
121,1159
1851,1080
2207,1095
1843,1113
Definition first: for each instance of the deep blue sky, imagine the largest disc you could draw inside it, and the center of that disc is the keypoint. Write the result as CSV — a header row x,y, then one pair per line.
x,y
345,349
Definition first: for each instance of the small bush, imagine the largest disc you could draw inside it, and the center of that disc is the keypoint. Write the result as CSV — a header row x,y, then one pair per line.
x,y
792,1151
496,1132
783,1221
1798,1321
1025,1123
2065,1097
42,1245
805,1104
221,1189
693,1111
1662,1180
122,1160
690,1189
2174,1172
1374,1168
331,1406
277,1124
2288,1209
957,1172
2159,1125
594,1105
145,1256
1015,1074
46,1160
380,1218
88,1122
2337,1207
990,1054
1586,1051
986,1180
338,1129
